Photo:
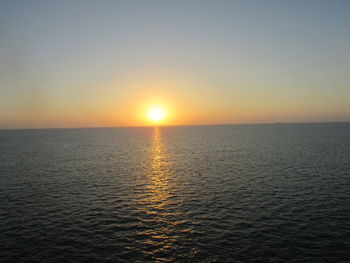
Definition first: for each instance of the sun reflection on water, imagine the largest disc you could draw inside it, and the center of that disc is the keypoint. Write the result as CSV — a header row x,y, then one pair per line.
x,y
158,178
158,203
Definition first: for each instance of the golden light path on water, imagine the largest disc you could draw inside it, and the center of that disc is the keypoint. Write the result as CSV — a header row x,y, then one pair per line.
x,y
158,178
158,202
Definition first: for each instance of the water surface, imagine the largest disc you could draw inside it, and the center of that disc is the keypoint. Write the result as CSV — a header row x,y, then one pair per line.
x,y
240,193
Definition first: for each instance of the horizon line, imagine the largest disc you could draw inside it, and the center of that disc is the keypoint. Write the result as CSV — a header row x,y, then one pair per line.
x,y
180,125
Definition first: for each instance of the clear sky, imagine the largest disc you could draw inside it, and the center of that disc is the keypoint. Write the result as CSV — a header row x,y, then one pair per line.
x,y
104,63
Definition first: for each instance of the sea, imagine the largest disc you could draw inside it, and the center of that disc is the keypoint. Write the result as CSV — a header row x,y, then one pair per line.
x,y
226,193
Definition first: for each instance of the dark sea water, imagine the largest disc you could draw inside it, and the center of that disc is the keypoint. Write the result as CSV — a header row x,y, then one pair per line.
x,y
244,193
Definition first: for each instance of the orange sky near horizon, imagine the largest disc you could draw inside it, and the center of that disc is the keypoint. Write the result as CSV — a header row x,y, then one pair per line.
x,y
186,100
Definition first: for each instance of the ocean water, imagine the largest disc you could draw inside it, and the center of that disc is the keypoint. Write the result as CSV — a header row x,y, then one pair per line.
x,y
239,193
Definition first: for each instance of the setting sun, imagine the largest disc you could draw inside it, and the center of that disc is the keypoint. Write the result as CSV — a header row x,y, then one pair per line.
x,y
156,114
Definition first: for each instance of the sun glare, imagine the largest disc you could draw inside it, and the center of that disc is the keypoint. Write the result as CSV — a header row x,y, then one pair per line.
x,y
156,114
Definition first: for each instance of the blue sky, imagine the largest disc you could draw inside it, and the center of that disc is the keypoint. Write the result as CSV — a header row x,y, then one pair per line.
x,y
75,63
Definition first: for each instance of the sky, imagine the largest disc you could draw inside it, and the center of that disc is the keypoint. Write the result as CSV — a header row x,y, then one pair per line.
x,y
104,63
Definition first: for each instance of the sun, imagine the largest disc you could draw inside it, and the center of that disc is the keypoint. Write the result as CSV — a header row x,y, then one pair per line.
x,y
156,114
